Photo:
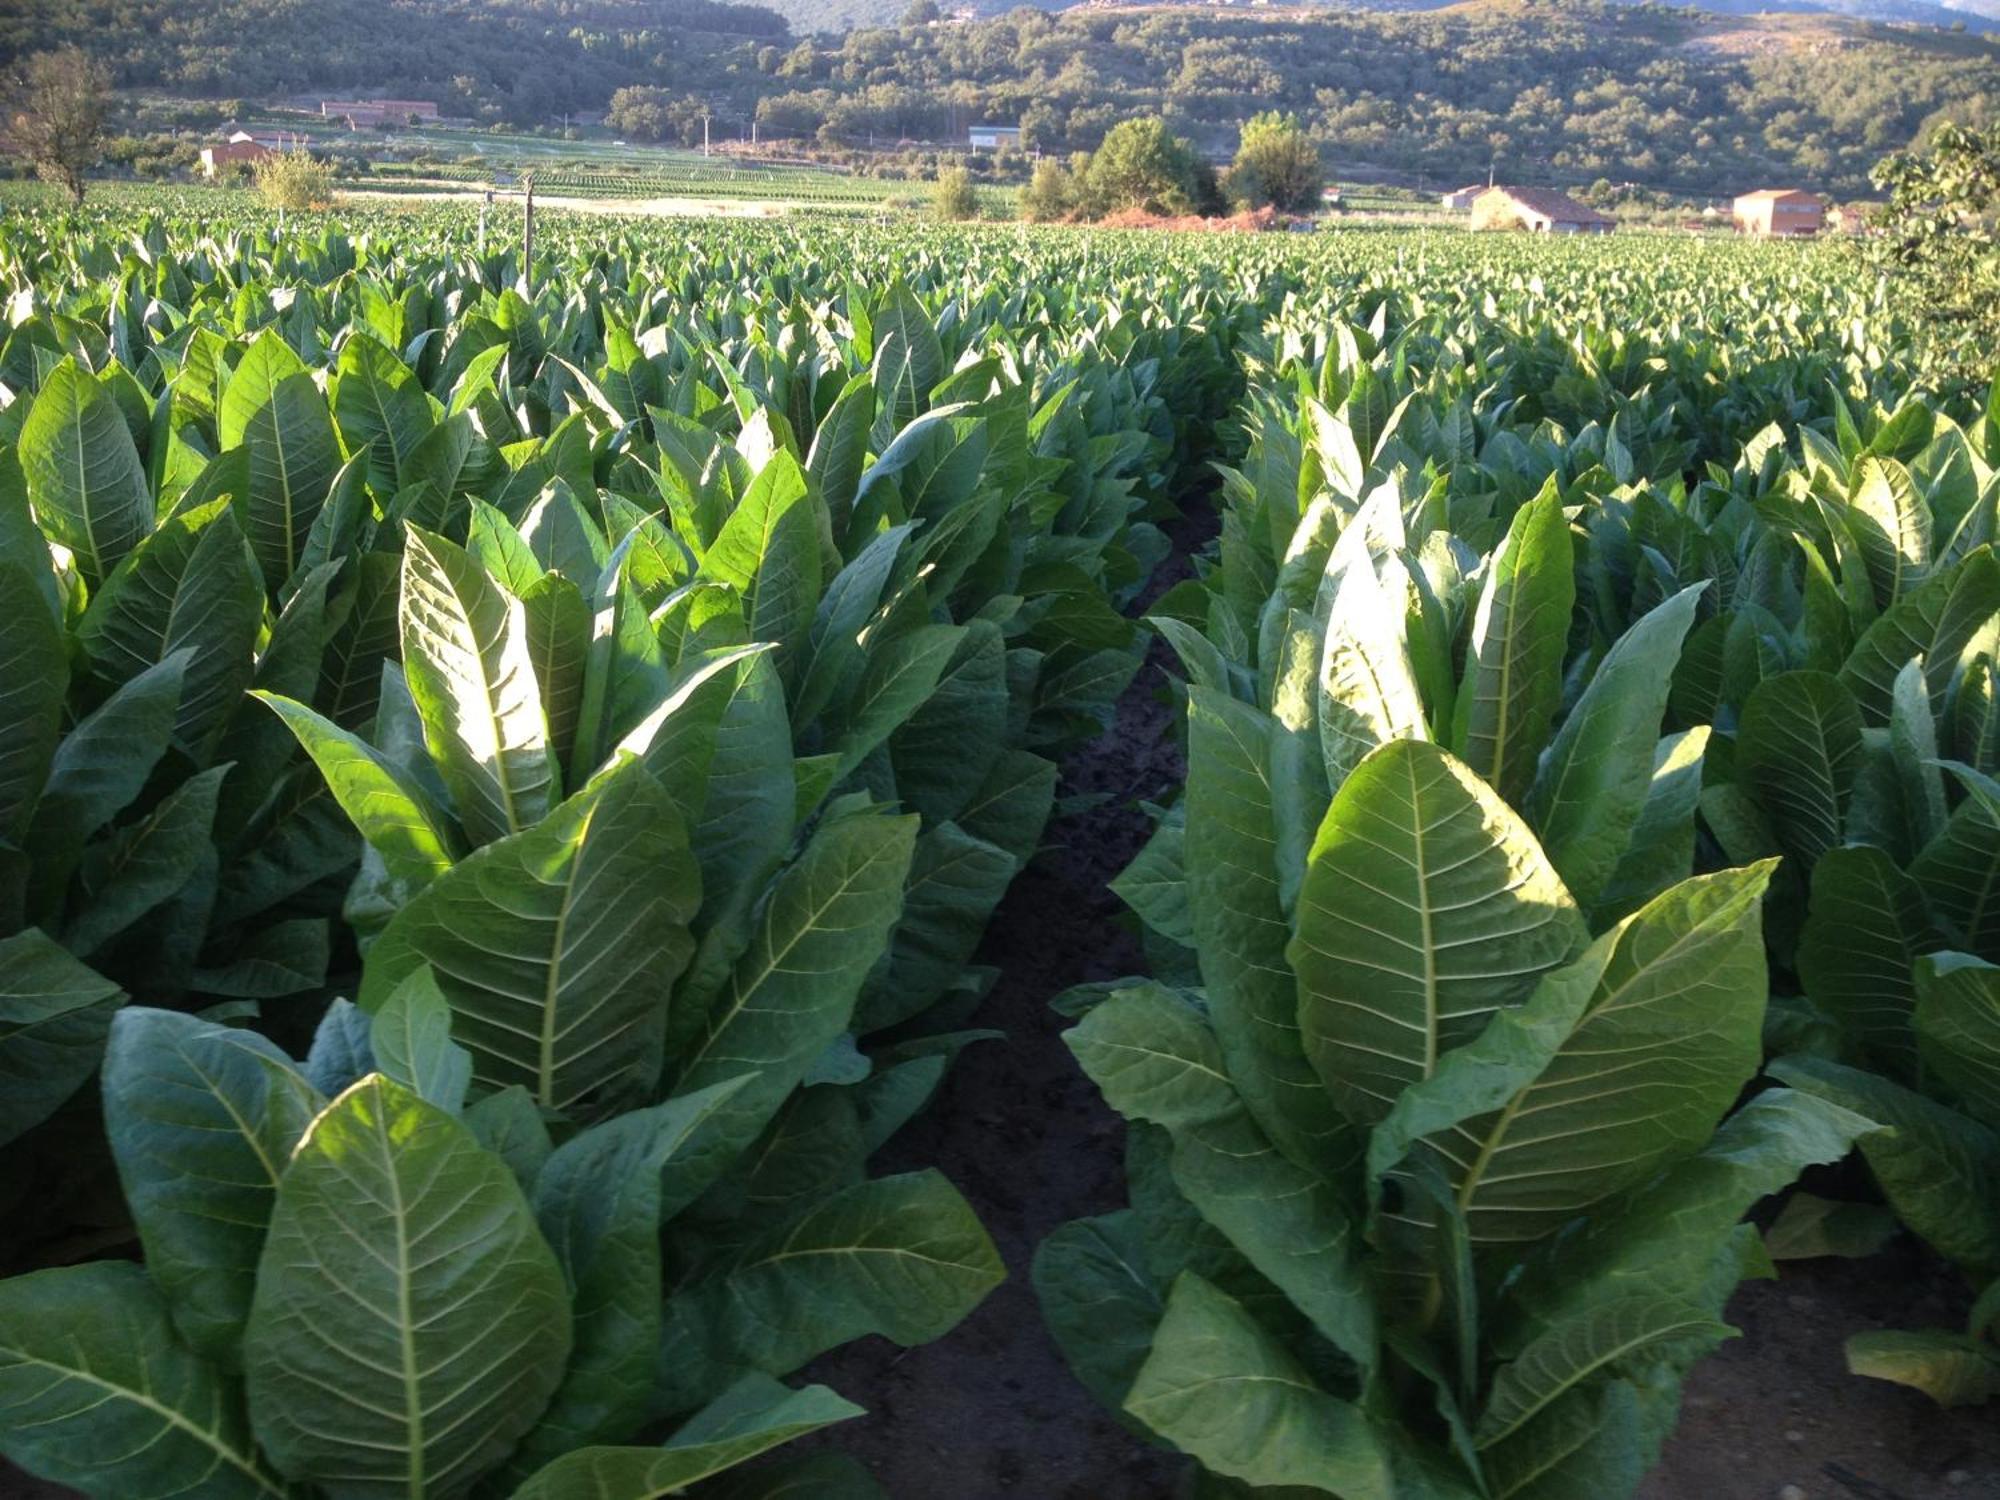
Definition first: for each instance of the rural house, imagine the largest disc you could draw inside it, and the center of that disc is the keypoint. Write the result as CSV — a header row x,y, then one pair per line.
x,y
994,137
1779,212
238,149
1853,218
1463,199
1538,210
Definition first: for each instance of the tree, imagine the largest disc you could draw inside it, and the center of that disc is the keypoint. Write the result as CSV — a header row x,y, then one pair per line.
x,y
953,197
295,180
59,123
1940,242
1145,166
1277,163
1049,195
922,13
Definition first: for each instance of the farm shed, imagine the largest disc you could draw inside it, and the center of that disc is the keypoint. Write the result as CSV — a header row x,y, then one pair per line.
x,y
1782,213
993,137
1463,198
1539,210
364,112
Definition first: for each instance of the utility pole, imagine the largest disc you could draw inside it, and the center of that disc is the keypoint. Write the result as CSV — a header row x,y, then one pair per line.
x,y
704,135
528,236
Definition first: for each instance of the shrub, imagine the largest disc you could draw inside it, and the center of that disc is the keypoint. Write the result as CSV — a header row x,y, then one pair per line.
x,y
952,197
1050,193
295,180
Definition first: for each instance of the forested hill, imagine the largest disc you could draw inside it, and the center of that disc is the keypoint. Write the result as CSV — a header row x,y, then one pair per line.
x,y
1560,90
524,59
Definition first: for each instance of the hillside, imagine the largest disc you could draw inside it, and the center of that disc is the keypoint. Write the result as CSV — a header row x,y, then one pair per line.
x,y
1569,92
809,17
1558,90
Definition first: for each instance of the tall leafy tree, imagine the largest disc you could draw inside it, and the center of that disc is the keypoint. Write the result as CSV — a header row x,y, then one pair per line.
x,y
1277,164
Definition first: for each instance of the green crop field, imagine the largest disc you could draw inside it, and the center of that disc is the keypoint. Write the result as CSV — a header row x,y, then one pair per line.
x,y
506,768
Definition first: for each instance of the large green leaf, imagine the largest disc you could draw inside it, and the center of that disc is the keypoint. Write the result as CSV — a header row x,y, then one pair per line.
x,y
769,550
1959,874
823,927
97,1393
902,1257
380,408
1669,1036
1940,1170
1367,689
202,1120
191,585
955,883
409,1322
465,652
1865,929
1217,1385
597,1199
1427,905
1937,621
1591,786
85,479
1239,926
32,691
55,1013
1513,670
1661,850
103,764
144,864
1155,1061
1098,1297
390,807
751,1417
1957,1021
1799,748
1600,1339
1891,523
272,407
558,947
409,1038
1681,1235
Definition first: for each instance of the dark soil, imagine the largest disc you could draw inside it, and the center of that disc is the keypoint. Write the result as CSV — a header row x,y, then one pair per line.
x,y
991,1409
1777,1408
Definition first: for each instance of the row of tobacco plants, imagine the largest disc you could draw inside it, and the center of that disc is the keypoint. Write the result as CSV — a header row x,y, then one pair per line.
x,y
504,768
629,689
1590,823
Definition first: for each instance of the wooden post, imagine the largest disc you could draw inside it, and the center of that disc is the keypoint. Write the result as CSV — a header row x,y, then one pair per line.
x,y
528,237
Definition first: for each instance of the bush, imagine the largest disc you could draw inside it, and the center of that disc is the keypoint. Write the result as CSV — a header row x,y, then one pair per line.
x,y
296,180
953,197
1049,195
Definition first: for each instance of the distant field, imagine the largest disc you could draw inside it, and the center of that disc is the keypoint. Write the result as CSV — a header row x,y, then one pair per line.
x,y
606,170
